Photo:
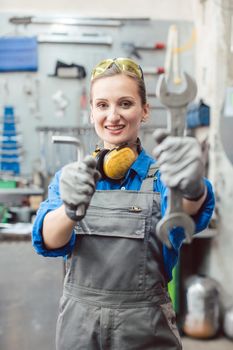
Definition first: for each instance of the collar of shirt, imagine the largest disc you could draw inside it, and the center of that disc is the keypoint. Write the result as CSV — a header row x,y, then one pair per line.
x,y
134,177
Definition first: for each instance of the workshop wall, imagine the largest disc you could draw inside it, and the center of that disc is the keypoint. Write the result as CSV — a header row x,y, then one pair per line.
x,y
38,98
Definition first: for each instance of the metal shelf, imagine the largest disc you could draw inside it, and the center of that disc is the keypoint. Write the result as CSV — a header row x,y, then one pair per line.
x,y
207,233
22,191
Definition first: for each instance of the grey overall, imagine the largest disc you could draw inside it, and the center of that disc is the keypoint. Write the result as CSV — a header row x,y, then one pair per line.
x,y
114,291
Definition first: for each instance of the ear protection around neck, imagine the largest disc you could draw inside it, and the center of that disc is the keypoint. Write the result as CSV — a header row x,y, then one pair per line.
x,y
114,164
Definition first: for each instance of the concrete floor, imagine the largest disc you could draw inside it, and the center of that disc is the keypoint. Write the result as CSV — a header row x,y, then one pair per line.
x,y
220,343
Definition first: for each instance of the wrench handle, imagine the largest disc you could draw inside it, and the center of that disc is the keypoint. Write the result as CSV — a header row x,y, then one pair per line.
x,y
177,121
80,211
174,201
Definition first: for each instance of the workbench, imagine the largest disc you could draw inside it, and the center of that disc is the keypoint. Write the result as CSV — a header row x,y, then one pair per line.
x,y
15,232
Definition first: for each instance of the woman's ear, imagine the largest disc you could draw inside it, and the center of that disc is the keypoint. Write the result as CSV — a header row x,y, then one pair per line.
x,y
91,116
91,119
145,114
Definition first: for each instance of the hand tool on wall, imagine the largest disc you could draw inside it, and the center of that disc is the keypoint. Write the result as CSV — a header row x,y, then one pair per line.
x,y
176,103
133,49
37,111
153,70
75,39
61,103
84,107
171,63
65,70
176,73
76,21
169,51
31,89
80,211
43,160
69,21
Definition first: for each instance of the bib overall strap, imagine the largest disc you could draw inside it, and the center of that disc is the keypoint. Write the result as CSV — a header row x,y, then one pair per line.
x,y
148,182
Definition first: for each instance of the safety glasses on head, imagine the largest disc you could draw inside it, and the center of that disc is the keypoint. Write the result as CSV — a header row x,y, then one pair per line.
x,y
124,64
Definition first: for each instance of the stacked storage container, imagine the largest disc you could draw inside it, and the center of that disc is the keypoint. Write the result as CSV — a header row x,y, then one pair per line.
x,y
9,147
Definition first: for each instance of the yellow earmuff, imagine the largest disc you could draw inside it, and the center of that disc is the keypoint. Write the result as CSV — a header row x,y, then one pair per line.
x,y
114,163
117,162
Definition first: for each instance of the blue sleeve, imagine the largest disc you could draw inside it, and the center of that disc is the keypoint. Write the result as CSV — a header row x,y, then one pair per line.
x,y
202,218
52,202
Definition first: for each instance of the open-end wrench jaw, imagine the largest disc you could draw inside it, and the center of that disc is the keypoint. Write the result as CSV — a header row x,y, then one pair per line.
x,y
172,99
174,220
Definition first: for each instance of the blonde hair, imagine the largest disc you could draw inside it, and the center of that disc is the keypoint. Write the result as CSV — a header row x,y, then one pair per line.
x,y
114,70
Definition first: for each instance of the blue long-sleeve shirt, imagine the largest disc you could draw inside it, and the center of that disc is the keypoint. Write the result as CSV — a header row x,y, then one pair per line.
x,y
133,180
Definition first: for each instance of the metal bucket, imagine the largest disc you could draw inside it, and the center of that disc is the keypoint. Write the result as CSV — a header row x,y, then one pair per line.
x,y
202,308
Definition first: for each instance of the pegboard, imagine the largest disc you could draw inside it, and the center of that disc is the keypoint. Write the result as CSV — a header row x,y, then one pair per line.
x,y
13,86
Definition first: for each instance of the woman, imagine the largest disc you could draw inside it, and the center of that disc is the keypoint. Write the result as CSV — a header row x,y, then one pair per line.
x,y
101,213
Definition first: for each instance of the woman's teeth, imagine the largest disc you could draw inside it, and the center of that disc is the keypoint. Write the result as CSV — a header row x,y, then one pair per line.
x,y
117,127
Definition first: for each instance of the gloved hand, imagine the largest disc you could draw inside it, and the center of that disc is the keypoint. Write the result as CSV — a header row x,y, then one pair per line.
x,y
77,186
180,163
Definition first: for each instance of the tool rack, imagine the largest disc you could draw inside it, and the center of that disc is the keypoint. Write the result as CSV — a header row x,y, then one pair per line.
x,y
95,39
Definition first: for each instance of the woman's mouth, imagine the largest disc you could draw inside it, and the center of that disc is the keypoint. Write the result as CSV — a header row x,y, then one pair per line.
x,y
115,128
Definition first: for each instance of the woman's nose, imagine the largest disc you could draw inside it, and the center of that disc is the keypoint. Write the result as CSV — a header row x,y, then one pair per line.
x,y
113,115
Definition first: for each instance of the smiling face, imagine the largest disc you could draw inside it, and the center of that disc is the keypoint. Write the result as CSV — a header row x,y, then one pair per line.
x,y
117,110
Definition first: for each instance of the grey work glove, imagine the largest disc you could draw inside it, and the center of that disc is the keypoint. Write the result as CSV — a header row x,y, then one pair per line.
x,y
180,163
77,186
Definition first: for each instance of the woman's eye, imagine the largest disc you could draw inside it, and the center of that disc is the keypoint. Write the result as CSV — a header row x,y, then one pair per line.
x,y
102,105
126,104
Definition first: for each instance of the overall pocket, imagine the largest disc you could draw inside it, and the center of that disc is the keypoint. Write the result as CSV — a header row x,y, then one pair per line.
x,y
111,250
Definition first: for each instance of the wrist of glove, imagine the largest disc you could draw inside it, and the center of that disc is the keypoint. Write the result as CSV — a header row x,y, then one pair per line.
x,y
73,213
77,186
180,164
195,192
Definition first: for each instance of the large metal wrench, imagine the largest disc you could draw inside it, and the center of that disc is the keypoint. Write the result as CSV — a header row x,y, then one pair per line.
x,y
81,210
176,103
